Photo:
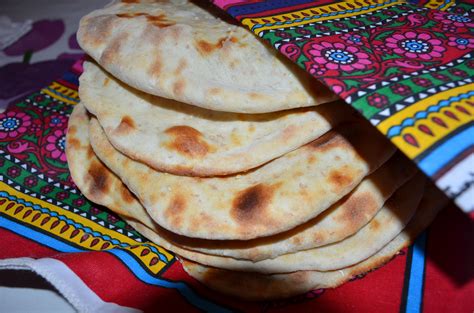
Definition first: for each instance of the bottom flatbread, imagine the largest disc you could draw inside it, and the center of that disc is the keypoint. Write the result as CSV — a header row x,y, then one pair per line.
x,y
254,286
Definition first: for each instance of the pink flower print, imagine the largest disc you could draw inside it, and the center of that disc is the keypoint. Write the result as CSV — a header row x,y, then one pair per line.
x,y
449,28
357,22
31,181
13,171
458,72
57,120
415,45
282,34
62,195
316,70
377,100
401,89
340,25
321,28
441,77
353,39
338,56
13,124
373,18
454,19
79,202
461,43
303,31
423,82
56,144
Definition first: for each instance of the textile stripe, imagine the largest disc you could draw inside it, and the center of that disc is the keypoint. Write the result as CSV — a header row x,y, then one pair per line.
x,y
77,230
416,277
126,258
322,13
447,151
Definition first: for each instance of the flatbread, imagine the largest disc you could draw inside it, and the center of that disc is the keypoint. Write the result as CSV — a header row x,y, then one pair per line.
x,y
96,182
177,50
385,226
270,199
254,286
343,219
183,139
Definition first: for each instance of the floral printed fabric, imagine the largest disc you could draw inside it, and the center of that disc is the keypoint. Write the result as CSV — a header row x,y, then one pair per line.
x,y
407,68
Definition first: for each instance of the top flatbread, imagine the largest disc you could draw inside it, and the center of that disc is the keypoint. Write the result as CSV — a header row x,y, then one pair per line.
x,y
183,139
178,50
275,197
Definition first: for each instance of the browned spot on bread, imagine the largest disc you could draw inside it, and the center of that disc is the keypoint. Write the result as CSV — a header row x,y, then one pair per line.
x,y
311,159
126,125
130,1
90,152
109,55
181,66
131,15
72,130
205,47
339,178
95,29
214,91
375,225
328,141
100,183
296,241
106,81
175,210
159,21
155,68
355,209
126,195
318,238
178,87
73,143
255,96
236,139
187,141
250,204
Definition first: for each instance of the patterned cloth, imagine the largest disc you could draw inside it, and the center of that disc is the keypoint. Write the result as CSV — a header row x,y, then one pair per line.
x,y
408,69
100,264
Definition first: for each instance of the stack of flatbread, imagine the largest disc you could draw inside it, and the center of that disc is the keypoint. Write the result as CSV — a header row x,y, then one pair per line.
x,y
214,147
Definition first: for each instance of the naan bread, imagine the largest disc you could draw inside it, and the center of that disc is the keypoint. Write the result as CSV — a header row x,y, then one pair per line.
x,y
254,286
270,199
385,226
186,140
177,50
96,182
343,219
